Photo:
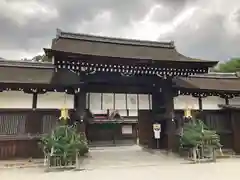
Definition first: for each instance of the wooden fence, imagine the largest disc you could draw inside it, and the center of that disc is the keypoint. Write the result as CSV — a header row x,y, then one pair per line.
x,y
20,131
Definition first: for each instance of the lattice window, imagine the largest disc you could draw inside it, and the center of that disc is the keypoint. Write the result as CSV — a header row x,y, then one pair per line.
x,y
49,123
12,124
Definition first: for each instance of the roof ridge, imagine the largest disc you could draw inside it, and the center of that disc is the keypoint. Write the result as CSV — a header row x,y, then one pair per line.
x,y
214,75
30,64
115,40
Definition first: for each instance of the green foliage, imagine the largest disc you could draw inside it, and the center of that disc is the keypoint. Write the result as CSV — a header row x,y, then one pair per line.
x,y
230,66
196,133
39,58
64,142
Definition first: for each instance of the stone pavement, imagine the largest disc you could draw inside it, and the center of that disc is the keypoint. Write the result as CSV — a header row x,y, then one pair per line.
x,y
22,163
228,169
126,156
102,157
131,162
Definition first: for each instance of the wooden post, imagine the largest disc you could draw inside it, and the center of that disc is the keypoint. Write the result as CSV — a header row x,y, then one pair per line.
x,y
80,106
168,97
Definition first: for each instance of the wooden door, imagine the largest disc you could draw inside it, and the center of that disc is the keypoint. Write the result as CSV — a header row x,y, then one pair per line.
x,y
145,132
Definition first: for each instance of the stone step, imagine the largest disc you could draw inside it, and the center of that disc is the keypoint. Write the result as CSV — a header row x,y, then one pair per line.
x,y
111,143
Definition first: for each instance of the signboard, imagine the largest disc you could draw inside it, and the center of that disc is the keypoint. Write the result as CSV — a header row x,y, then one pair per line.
x,y
127,129
157,130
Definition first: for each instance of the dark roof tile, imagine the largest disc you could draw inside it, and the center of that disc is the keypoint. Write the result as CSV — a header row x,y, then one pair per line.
x,y
117,47
10,74
219,82
35,74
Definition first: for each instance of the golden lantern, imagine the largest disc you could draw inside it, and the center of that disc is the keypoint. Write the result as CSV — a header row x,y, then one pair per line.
x,y
187,113
64,111
64,114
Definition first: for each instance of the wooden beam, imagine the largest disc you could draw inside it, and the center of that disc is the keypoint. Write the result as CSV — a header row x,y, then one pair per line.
x,y
200,104
34,101
226,100
75,103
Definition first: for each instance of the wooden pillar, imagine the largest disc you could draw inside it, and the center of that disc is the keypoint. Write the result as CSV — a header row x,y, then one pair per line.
x,y
34,101
200,104
226,100
158,111
33,122
169,114
163,112
80,106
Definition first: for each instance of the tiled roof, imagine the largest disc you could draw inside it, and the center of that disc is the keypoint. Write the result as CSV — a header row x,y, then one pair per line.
x,y
11,74
212,81
21,63
118,47
17,72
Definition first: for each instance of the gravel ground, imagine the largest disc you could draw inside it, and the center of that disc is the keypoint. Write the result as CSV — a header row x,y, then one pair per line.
x,y
228,169
129,163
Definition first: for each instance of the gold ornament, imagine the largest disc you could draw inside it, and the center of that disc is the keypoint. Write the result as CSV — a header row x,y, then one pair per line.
x,y
64,114
187,113
64,111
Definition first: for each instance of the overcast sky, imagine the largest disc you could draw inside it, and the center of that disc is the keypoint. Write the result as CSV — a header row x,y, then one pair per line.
x,y
206,29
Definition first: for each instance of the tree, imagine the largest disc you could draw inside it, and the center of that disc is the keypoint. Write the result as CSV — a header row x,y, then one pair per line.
x,y
230,66
39,58
65,144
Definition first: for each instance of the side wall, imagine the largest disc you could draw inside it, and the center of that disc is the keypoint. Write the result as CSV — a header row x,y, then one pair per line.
x,y
15,100
55,100
21,124
214,117
49,100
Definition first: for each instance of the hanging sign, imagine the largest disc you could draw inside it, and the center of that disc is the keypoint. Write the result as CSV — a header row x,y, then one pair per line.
x,y
157,130
127,129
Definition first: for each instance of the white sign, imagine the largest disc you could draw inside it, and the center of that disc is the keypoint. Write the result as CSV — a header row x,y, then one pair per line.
x,y
126,129
157,130
157,127
157,134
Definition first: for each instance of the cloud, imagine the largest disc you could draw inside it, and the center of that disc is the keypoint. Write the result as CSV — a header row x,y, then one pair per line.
x,y
30,25
200,28
208,34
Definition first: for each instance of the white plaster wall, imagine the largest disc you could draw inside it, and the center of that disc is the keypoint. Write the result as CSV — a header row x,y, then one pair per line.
x,y
55,100
133,112
234,101
120,101
212,102
143,100
132,101
150,101
186,101
108,101
95,103
15,100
